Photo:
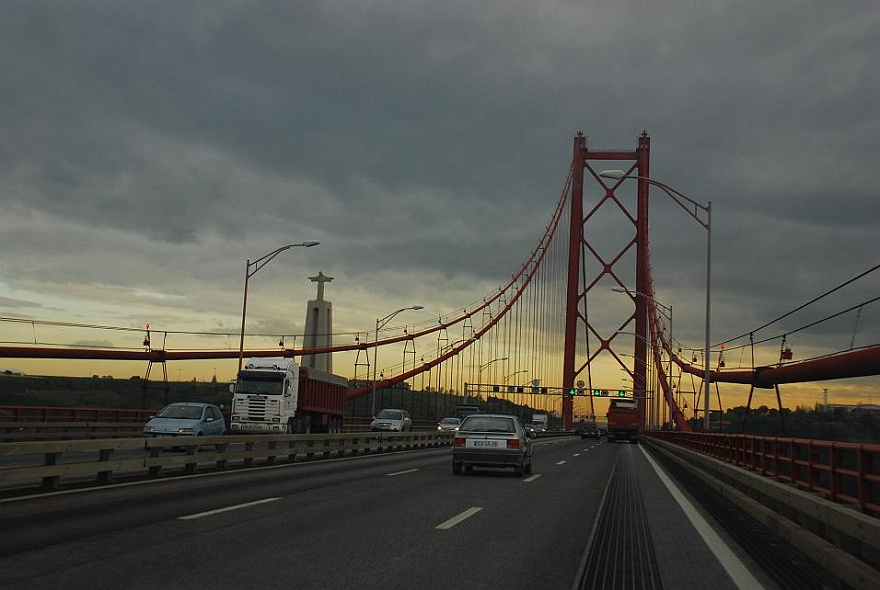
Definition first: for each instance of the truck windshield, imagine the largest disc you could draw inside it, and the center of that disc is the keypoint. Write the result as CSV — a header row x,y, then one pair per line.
x,y
462,411
260,382
623,404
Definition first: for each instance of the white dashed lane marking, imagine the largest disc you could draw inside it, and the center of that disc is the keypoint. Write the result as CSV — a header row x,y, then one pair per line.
x,y
457,519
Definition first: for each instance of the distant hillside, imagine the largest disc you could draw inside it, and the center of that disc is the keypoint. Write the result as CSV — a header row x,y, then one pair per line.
x,y
104,392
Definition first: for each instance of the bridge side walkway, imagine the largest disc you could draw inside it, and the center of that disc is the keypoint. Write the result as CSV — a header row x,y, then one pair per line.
x,y
661,527
738,551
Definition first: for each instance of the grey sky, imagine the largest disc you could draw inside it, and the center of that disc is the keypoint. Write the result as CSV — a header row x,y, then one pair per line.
x,y
147,149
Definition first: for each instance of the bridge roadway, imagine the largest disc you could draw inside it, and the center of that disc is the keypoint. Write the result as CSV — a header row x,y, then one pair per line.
x,y
592,515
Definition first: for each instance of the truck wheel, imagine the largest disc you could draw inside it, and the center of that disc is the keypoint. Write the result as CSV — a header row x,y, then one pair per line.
x,y
290,428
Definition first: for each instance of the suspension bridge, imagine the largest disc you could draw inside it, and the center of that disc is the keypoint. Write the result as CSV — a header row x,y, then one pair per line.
x,y
556,334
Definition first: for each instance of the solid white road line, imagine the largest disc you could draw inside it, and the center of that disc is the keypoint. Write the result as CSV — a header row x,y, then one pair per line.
x,y
227,509
729,561
402,472
457,519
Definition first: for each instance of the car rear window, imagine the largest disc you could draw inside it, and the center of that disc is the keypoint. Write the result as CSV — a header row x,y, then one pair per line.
x,y
487,424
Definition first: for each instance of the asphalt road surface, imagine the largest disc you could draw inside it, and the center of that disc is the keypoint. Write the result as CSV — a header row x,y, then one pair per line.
x,y
400,520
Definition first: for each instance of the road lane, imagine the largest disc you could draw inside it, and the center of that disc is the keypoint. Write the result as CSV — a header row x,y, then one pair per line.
x,y
345,523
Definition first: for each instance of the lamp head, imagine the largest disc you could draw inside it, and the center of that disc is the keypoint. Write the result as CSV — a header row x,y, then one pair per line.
x,y
616,174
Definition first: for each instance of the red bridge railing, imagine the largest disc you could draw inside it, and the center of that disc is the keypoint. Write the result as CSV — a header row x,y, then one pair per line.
x,y
62,414
847,473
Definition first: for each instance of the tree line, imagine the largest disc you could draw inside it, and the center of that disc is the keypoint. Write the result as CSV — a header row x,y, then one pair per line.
x,y
836,423
845,424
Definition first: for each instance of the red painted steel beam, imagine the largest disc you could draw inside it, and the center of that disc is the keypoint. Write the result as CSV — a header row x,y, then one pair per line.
x,y
578,285
529,271
845,365
572,300
156,356
643,279
612,155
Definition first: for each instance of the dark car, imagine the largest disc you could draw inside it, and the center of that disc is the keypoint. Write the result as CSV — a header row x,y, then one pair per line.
x,y
492,440
588,430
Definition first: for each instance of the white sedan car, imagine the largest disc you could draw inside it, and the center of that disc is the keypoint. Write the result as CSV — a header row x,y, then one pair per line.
x,y
492,440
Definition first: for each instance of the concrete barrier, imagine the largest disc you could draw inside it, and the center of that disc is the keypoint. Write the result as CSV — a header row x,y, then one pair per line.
x,y
52,464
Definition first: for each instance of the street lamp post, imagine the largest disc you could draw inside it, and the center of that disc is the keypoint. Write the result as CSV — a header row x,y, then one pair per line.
x,y
667,312
442,352
480,372
639,371
707,225
506,379
379,324
250,269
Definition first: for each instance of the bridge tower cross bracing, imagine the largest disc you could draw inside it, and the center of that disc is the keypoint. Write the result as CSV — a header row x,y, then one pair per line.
x,y
577,324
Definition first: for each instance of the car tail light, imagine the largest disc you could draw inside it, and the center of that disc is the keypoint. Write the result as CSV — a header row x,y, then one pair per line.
x,y
513,443
458,442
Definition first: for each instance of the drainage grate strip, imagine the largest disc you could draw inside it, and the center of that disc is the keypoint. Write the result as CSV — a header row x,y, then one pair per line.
x,y
621,553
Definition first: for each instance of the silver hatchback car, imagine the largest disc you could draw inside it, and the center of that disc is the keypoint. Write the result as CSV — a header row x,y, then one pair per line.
x,y
186,419
492,440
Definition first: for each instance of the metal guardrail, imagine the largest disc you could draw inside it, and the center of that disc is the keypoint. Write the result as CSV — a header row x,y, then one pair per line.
x,y
80,414
27,430
49,465
847,473
42,421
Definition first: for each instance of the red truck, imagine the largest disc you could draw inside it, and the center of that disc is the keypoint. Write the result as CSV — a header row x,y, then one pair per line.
x,y
623,420
278,396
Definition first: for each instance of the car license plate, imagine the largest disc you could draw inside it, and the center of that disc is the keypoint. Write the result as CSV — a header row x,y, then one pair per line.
x,y
486,444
